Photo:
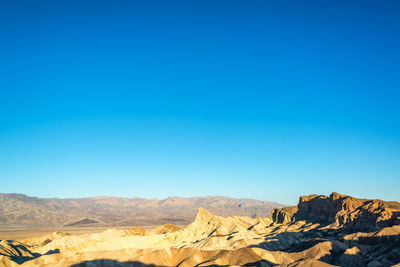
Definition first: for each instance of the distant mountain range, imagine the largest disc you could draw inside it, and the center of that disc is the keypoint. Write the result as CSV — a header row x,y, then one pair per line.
x,y
19,209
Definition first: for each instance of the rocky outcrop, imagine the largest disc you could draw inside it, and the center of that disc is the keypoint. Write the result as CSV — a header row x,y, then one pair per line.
x,y
284,215
341,211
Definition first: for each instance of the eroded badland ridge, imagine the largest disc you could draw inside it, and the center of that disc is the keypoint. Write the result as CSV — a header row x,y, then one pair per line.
x,y
330,230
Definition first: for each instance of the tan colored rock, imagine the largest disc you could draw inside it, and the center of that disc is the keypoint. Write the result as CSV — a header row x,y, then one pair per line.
x,y
321,231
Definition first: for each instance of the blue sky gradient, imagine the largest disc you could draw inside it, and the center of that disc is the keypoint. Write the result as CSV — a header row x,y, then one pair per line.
x,y
258,99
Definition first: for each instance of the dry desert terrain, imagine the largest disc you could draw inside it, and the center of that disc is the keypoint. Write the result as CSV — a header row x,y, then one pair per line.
x,y
333,230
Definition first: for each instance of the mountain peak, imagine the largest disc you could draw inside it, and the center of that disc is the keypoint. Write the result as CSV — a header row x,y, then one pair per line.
x,y
203,215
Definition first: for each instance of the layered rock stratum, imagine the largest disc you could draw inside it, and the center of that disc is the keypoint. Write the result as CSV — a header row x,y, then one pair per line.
x,y
333,230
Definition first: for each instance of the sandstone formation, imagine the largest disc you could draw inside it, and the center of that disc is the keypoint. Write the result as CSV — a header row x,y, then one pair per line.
x,y
320,231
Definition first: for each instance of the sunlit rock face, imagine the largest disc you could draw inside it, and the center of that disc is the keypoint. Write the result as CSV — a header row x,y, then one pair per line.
x,y
333,230
341,211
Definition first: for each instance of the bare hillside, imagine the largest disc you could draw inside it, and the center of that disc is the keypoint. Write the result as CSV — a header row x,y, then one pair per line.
x,y
18,209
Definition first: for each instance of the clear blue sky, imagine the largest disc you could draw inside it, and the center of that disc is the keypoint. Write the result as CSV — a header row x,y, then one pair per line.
x,y
258,99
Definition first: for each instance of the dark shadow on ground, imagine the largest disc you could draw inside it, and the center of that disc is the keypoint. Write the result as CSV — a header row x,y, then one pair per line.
x,y
106,263
111,263
384,250
20,249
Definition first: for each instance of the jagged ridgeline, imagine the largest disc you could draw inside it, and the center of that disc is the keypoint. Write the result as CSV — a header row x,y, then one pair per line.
x,y
320,231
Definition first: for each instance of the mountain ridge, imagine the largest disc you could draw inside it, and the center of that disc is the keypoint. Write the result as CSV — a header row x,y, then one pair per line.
x,y
20,209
